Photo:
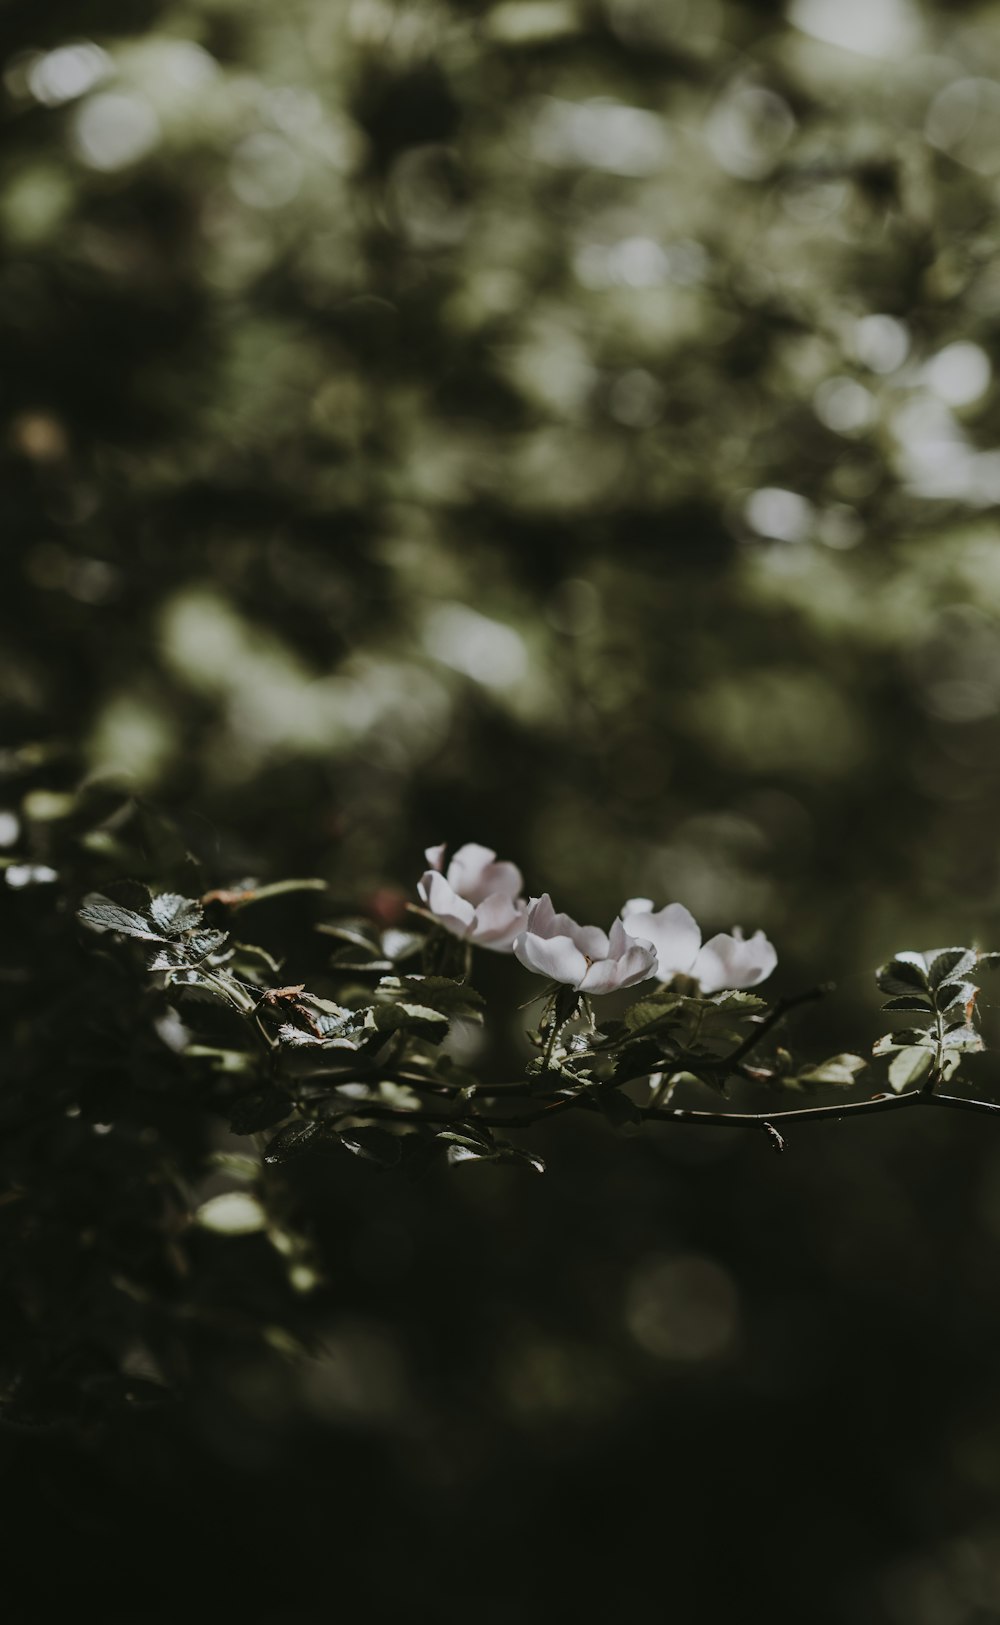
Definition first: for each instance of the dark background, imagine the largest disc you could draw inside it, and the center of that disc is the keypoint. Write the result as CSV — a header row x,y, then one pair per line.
x,y
571,427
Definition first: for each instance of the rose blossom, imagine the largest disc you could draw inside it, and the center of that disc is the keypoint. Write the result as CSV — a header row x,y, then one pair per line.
x,y
725,961
583,956
478,899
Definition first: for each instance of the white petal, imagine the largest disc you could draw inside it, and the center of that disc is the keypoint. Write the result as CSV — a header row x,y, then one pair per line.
x,y
498,920
674,933
558,958
619,940
730,962
637,905
505,878
545,922
454,913
592,941
465,871
475,876
541,916
602,976
435,856
637,964
634,965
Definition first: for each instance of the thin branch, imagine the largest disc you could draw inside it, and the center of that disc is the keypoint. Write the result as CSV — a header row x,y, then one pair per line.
x,y
798,1114
963,1104
778,1013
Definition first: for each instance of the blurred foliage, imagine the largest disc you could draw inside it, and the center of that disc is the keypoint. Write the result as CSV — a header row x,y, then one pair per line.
x,y
567,424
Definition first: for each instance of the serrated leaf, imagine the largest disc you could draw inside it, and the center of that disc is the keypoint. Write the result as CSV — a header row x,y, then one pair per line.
x,y
299,1038
903,1038
904,972
909,1068
417,1018
290,1141
948,964
190,950
965,1039
175,914
910,1001
259,1109
646,1013
99,913
840,1071
738,1000
441,993
956,995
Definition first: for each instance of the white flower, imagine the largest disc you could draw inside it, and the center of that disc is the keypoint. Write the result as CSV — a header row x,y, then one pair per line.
x,y
478,900
582,956
724,961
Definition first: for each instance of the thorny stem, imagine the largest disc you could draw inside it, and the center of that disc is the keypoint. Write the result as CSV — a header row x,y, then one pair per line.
x,y
659,1110
765,1121
765,1024
936,1073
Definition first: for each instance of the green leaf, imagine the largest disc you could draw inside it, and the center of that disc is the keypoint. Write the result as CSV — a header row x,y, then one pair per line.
x,y
468,1142
416,1018
965,1039
373,1144
332,1026
902,974
441,993
739,1001
291,1141
398,945
840,1070
909,1068
277,888
903,1038
249,958
646,1013
190,950
358,934
956,995
99,913
175,914
638,1059
910,1001
299,1038
948,964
